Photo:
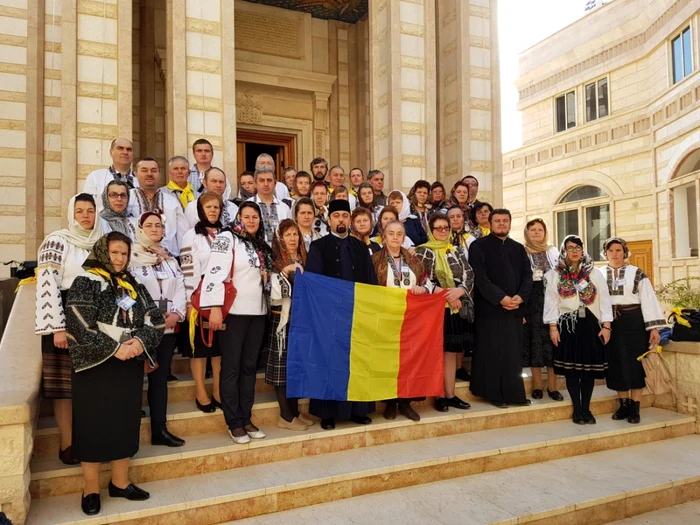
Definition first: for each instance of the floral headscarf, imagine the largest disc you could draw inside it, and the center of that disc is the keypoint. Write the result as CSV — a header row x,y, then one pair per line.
x,y
99,263
280,255
570,278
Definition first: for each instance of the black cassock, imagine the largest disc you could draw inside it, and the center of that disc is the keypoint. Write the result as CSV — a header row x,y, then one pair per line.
x,y
346,259
501,268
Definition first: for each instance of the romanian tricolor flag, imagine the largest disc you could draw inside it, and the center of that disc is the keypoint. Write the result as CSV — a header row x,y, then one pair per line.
x,y
356,342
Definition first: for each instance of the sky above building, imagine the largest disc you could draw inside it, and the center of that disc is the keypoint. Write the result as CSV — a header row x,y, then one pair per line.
x,y
521,24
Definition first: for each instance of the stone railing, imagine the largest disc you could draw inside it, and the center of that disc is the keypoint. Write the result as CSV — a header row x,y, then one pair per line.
x,y
20,377
683,360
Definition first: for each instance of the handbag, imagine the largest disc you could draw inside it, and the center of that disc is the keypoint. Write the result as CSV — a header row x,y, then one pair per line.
x,y
658,377
230,293
467,310
686,324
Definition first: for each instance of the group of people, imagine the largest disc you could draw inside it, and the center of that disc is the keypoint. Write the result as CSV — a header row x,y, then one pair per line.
x,y
149,266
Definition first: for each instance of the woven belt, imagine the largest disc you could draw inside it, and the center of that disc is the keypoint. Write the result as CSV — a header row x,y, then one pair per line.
x,y
620,308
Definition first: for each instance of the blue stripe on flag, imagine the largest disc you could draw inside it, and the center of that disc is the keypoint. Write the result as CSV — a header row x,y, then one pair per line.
x,y
321,319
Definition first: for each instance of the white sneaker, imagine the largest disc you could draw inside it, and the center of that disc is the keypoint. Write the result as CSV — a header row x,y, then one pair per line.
x,y
240,440
258,434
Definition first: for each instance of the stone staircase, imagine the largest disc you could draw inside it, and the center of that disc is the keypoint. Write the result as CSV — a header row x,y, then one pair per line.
x,y
551,470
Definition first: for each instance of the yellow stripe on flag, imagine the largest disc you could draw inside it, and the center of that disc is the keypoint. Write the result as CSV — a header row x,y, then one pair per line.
x,y
375,342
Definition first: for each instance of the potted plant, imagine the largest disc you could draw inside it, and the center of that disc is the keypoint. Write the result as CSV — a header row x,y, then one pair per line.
x,y
683,295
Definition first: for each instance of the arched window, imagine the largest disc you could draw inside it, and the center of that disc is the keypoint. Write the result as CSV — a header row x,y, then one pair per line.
x,y
685,199
585,211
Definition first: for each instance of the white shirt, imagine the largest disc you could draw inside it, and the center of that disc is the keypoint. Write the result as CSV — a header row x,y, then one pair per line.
x,y
193,217
227,250
555,306
60,262
628,285
96,183
283,212
281,191
194,258
164,281
175,223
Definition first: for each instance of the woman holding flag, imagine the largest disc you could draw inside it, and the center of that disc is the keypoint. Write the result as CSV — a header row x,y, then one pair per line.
x,y
397,268
448,268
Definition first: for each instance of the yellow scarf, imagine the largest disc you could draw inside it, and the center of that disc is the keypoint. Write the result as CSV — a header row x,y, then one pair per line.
x,y
121,282
442,270
186,195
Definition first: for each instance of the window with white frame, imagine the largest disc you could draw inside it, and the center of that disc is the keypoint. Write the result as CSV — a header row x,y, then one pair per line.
x,y
596,99
565,110
585,211
682,55
685,215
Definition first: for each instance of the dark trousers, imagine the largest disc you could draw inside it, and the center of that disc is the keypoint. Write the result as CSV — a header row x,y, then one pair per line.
x,y
158,382
240,345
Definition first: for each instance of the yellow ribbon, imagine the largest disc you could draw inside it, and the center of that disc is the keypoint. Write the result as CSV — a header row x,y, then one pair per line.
x,y
27,280
678,312
658,350
121,282
186,195
193,323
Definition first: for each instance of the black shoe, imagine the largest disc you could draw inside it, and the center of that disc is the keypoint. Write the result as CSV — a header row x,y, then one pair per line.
x,y
131,492
588,418
217,404
163,437
441,404
143,414
361,420
554,394
328,423
634,413
90,504
406,410
578,419
390,410
500,404
624,411
537,393
208,374
458,403
463,374
172,379
207,409
66,456
525,403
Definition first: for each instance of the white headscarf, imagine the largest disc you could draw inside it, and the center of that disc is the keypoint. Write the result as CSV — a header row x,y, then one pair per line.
x,y
75,234
146,252
405,210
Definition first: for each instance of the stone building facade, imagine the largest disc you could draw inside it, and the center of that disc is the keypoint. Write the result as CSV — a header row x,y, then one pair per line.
x,y
411,88
611,130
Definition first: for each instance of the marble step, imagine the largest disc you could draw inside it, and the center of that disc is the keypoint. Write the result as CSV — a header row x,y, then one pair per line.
x,y
184,419
666,467
215,451
682,514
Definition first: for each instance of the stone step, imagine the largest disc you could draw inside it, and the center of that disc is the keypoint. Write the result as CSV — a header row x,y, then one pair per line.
x,y
683,514
184,419
613,478
214,451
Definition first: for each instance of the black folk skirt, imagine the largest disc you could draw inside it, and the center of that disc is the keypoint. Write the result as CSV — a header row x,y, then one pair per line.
x,y
458,334
276,369
56,367
580,353
107,410
537,346
629,340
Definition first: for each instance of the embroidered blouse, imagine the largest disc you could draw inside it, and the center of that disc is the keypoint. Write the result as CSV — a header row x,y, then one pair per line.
x,y
194,258
459,264
60,262
556,306
227,250
164,282
92,313
542,262
630,286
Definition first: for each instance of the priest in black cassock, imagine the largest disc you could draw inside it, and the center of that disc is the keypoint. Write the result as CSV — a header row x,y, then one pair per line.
x,y
503,280
342,256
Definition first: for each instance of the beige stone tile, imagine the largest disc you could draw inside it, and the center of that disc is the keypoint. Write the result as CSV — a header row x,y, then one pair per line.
x,y
314,495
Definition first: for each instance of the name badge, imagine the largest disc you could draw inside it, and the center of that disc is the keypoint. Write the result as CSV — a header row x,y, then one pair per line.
x,y
404,268
581,312
537,275
126,335
582,285
620,283
161,275
162,305
125,302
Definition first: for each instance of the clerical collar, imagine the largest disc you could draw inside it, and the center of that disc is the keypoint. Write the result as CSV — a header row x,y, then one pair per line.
x,y
340,237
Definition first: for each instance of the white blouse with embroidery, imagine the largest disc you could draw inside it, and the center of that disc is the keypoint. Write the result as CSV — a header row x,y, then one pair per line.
x,y
630,286
194,257
60,262
556,306
227,250
164,281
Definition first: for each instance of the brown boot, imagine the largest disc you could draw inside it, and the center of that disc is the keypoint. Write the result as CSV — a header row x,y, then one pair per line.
x,y
406,410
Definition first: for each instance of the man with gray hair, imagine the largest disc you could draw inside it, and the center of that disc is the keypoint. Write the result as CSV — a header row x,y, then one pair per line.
x,y
281,190
122,153
273,210
179,185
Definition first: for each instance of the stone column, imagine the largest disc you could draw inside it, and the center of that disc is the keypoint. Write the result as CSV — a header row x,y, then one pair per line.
x,y
403,90
468,95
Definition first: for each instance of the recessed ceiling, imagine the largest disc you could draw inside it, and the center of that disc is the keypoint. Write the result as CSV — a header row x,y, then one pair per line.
x,y
344,10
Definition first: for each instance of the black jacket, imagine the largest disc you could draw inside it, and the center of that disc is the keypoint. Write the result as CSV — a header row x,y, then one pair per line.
x,y
324,259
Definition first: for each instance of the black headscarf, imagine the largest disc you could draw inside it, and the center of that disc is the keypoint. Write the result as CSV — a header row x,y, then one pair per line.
x,y
201,227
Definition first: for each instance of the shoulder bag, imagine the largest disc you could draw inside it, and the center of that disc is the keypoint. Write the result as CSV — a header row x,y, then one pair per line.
x,y
230,293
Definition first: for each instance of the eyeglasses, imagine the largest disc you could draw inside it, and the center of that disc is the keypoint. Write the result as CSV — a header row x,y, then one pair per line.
x,y
574,249
117,195
441,228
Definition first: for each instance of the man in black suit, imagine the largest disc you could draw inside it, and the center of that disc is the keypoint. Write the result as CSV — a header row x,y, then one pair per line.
x,y
341,256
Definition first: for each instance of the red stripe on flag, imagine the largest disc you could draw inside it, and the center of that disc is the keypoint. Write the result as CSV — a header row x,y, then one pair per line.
x,y
421,363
